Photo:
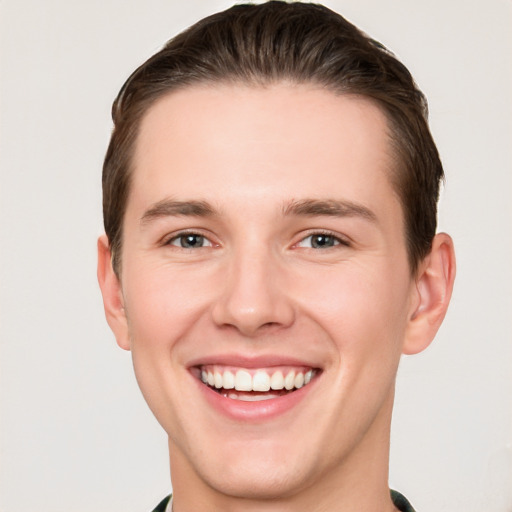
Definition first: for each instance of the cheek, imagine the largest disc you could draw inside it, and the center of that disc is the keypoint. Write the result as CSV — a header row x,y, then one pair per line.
x,y
162,303
362,307
163,307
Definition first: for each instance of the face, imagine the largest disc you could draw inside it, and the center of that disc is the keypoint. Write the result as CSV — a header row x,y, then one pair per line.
x,y
265,284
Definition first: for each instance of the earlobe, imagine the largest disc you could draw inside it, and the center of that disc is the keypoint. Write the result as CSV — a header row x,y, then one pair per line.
x,y
434,285
112,294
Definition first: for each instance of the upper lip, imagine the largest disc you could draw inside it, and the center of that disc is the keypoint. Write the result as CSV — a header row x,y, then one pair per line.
x,y
245,361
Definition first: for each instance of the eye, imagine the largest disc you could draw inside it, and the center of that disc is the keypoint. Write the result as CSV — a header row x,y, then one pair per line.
x,y
190,241
321,241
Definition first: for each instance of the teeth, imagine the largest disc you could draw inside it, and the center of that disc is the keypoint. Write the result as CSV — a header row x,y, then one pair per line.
x,y
299,380
289,381
243,381
250,398
260,381
228,381
277,381
217,377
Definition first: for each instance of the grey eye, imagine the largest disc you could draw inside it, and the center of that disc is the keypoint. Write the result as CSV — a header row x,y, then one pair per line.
x,y
190,241
319,241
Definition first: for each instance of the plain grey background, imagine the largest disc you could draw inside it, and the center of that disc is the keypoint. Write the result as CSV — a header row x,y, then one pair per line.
x,y
75,432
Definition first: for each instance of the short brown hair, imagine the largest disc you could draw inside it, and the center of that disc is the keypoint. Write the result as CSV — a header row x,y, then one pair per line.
x,y
272,42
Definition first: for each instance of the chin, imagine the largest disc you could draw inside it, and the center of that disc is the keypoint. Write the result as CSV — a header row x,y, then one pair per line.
x,y
259,469
261,482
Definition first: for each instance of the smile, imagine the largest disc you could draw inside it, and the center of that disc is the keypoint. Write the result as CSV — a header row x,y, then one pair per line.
x,y
255,384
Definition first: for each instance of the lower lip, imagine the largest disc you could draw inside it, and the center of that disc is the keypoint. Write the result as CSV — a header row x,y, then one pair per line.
x,y
255,411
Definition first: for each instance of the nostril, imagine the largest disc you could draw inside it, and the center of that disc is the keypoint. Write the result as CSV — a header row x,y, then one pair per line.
x,y
270,325
255,320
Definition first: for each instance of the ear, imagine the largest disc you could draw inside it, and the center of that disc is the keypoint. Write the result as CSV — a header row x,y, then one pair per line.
x,y
112,294
434,285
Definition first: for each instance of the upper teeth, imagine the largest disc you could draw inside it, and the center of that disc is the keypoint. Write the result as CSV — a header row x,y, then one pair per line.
x,y
242,380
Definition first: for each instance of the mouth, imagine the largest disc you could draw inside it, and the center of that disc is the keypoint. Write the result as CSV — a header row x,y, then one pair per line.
x,y
255,384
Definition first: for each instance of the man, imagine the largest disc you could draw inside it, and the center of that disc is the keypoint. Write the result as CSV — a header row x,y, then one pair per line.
x,y
270,196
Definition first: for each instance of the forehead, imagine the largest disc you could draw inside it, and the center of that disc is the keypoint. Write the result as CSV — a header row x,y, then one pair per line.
x,y
236,142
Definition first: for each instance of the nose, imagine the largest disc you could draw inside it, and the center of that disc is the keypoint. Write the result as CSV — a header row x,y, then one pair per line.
x,y
253,298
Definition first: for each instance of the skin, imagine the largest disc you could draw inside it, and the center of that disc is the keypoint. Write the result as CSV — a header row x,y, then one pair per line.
x,y
259,287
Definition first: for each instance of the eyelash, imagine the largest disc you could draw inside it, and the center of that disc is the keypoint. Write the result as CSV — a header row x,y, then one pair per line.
x,y
336,239
328,234
182,235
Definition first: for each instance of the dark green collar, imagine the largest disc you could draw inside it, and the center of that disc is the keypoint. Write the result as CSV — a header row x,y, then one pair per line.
x,y
401,502
161,506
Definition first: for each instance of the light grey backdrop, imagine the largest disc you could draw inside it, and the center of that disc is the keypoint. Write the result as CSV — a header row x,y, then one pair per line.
x,y
75,433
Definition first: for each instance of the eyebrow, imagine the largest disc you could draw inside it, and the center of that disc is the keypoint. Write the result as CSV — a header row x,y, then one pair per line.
x,y
171,208
328,207
304,207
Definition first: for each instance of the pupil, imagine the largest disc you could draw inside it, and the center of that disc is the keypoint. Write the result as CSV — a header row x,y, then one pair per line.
x,y
188,241
322,241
